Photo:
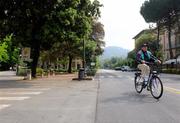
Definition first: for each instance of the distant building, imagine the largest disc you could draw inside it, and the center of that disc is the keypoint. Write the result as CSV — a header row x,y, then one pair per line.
x,y
77,63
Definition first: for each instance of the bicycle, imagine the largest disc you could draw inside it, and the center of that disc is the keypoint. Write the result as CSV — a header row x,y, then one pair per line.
x,y
154,83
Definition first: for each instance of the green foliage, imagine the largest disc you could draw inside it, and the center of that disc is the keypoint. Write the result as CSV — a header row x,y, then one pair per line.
x,y
73,25
3,52
42,24
153,45
22,71
118,62
145,38
163,12
91,72
132,57
8,53
39,71
132,54
159,11
171,71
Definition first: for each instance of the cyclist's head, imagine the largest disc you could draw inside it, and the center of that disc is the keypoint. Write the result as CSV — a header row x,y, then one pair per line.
x,y
144,47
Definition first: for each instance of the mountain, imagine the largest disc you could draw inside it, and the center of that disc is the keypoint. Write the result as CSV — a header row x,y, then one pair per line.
x,y
113,51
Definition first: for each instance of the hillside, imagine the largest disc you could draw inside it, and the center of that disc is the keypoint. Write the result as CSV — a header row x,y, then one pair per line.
x,y
113,51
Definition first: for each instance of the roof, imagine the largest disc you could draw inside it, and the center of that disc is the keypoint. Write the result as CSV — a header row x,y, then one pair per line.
x,y
141,32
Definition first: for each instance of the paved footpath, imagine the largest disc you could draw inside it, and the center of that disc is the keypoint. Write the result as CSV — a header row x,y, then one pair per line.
x,y
56,99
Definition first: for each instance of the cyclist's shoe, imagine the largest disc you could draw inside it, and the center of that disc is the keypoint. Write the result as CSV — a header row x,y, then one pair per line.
x,y
144,84
148,88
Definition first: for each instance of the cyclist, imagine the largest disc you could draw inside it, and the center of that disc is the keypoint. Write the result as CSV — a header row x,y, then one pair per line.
x,y
143,58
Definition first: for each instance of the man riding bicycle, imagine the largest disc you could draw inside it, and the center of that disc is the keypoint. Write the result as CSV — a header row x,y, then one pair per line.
x,y
143,58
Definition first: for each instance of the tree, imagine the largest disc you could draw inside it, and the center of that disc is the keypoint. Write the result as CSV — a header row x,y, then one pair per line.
x,y
25,19
97,35
162,13
3,52
72,23
29,21
132,57
9,54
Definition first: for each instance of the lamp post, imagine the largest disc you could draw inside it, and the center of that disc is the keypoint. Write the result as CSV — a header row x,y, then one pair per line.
x,y
84,63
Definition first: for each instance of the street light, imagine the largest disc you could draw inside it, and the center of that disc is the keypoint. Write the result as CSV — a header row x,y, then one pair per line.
x,y
84,56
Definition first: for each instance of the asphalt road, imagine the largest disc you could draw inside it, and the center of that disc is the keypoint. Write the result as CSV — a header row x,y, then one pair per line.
x,y
118,101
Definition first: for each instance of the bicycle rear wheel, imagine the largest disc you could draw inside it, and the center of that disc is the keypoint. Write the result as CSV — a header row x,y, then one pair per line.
x,y
138,81
156,87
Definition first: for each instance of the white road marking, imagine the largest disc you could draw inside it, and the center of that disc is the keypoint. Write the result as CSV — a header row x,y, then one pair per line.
x,y
119,76
4,106
14,98
26,89
22,93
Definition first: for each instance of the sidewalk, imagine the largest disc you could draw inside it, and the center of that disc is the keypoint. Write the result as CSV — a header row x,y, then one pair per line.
x,y
67,101
9,75
76,99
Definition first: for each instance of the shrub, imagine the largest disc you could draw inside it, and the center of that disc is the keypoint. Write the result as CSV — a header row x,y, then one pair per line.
x,y
39,71
60,70
171,71
91,72
22,71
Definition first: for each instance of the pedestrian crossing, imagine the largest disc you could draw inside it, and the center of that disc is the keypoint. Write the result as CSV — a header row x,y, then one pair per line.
x,y
109,76
13,98
131,78
9,95
2,106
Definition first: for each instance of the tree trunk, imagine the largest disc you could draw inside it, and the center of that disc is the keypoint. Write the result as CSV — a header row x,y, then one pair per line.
x,y
169,38
158,27
158,35
35,48
70,62
35,56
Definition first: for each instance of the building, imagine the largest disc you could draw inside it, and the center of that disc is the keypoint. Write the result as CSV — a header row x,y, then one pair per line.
x,y
175,43
140,34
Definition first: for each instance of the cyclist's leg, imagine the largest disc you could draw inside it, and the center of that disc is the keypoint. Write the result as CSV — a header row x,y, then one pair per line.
x,y
145,70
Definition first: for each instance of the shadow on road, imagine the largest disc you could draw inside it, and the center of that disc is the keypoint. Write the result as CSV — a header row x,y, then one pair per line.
x,y
14,84
131,98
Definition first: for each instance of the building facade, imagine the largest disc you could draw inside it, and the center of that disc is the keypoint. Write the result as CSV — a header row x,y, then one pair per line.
x,y
175,43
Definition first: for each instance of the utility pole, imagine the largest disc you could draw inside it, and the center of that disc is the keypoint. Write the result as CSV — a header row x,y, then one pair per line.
x,y
84,63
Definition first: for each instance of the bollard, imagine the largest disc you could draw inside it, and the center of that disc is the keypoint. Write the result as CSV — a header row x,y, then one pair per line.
x,y
29,74
53,73
42,74
48,72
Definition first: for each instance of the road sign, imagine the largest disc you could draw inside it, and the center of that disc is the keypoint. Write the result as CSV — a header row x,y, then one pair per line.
x,y
92,63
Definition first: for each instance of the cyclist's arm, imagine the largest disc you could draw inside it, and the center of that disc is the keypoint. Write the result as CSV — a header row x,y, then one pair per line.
x,y
138,58
154,59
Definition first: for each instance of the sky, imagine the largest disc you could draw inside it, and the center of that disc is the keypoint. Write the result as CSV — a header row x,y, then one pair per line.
x,y
122,21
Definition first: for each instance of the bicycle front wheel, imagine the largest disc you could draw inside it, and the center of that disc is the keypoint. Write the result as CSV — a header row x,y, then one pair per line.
x,y
156,87
138,81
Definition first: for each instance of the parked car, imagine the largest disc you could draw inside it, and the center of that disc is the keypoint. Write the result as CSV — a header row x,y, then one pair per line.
x,y
118,68
125,68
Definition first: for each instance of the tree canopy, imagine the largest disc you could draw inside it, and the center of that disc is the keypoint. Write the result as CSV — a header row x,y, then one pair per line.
x,y
40,24
164,13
